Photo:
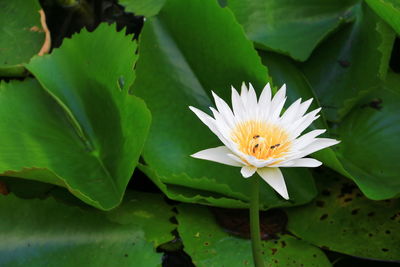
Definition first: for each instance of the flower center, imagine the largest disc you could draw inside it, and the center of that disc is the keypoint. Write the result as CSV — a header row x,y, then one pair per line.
x,y
261,140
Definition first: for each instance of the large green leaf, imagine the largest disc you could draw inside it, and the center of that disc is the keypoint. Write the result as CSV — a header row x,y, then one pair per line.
x,y
179,65
83,130
49,233
350,63
370,147
209,245
291,27
363,139
187,194
284,71
146,8
388,10
342,219
350,160
21,35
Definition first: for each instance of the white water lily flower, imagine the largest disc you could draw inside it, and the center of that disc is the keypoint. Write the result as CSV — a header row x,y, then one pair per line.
x,y
258,138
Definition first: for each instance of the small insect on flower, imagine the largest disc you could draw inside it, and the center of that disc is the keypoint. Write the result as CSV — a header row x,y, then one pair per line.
x,y
258,138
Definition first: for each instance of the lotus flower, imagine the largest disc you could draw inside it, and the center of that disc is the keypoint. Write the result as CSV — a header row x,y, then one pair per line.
x,y
258,138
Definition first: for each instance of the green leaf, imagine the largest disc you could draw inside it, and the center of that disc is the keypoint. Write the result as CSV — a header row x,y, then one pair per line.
x,y
49,233
388,10
284,71
370,144
291,27
21,35
83,131
339,70
209,245
343,220
187,194
360,133
189,64
145,8
147,211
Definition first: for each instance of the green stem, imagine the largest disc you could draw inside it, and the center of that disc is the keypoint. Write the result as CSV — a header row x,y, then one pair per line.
x,y
255,223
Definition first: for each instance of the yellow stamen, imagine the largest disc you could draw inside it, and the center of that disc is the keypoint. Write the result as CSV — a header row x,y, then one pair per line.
x,y
261,140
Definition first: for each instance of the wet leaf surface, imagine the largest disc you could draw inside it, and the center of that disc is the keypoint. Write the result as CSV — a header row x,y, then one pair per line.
x,y
49,233
84,130
281,26
342,219
237,223
339,71
209,245
21,34
388,10
370,145
189,64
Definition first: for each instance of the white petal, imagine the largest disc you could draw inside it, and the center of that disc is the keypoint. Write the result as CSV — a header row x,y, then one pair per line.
x,y
291,113
278,102
265,97
252,101
217,154
304,106
303,162
279,96
204,117
237,159
243,93
224,109
252,96
318,144
300,125
211,123
264,102
222,125
259,163
237,106
274,177
276,112
248,171
307,138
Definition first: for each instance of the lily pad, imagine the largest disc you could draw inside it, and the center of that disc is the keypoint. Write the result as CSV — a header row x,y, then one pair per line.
x,y
388,10
370,145
343,220
49,233
284,71
369,130
21,34
334,68
82,129
291,27
189,64
210,245
145,8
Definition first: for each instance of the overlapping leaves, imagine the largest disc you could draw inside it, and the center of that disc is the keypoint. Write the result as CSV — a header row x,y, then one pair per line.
x,y
21,34
84,131
342,219
351,63
368,147
290,27
49,233
210,245
388,10
189,64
